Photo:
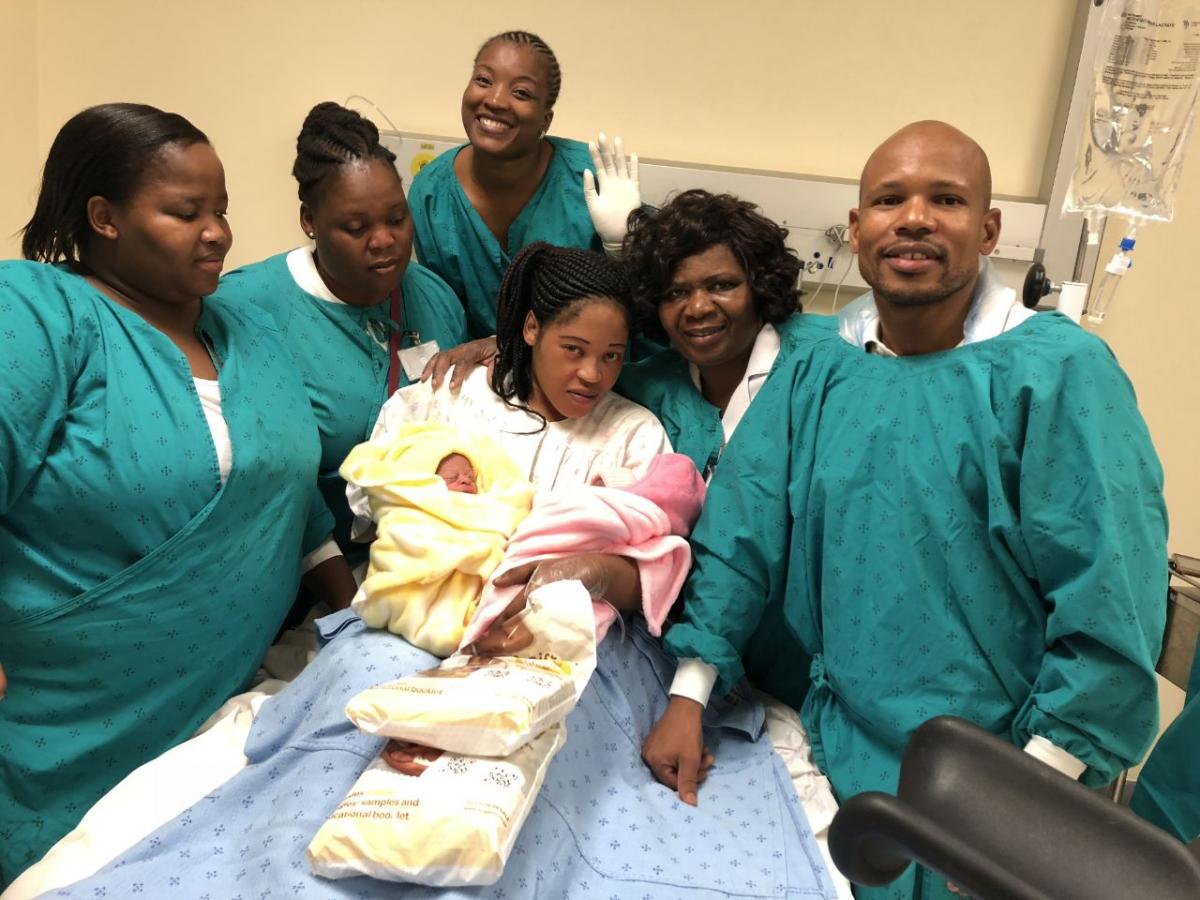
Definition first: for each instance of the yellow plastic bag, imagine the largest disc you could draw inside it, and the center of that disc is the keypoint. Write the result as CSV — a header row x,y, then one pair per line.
x,y
485,706
451,823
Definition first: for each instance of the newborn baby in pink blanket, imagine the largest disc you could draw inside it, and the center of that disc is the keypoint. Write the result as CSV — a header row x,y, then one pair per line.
x,y
647,521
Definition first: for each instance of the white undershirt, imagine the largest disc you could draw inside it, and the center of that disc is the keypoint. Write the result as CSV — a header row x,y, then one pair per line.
x,y
762,358
209,391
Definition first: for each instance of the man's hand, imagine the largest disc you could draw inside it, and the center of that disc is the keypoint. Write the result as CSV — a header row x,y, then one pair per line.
x,y
463,358
674,750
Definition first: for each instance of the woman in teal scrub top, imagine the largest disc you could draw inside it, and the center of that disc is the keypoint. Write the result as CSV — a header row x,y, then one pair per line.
x,y
477,206
715,278
157,459
356,314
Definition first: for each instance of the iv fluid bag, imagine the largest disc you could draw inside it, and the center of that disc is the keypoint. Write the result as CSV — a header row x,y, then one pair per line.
x,y
1143,99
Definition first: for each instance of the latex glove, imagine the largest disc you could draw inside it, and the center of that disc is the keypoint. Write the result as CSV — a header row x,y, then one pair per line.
x,y
463,358
674,750
508,635
619,194
3,683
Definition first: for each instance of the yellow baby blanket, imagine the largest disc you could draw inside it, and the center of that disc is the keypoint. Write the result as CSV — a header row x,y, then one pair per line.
x,y
434,548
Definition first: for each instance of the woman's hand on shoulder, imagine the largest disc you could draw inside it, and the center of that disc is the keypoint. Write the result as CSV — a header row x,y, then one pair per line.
x,y
619,191
674,750
462,359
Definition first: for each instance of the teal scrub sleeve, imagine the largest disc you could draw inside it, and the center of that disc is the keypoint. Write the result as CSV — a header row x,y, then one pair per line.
x,y
36,346
740,543
1095,524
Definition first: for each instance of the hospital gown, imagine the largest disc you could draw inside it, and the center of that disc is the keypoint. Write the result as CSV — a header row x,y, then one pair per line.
x,y
1168,788
136,591
453,240
663,384
979,532
345,369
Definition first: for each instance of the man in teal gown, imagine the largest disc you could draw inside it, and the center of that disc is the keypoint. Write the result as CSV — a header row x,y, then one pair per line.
x,y
950,525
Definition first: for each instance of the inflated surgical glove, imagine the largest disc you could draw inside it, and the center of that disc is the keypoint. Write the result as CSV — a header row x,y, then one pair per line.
x,y
619,193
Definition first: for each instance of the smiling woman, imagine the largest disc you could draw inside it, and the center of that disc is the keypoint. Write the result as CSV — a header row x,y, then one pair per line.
x,y
135,456
715,278
476,207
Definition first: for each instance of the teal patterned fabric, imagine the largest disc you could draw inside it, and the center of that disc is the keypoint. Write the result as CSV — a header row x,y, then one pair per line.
x,y
455,243
136,593
345,370
979,532
1168,788
773,660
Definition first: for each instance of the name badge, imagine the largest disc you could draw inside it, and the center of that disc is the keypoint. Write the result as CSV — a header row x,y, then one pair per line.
x,y
414,359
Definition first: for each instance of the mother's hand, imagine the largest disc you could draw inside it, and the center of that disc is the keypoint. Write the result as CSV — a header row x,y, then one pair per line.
x,y
508,635
463,358
604,576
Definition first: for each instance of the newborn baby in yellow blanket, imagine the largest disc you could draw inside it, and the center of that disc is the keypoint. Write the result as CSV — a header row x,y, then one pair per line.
x,y
445,505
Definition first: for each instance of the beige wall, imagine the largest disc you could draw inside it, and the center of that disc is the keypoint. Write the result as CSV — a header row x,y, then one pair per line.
x,y
1152,329
788,85
791,85
19,147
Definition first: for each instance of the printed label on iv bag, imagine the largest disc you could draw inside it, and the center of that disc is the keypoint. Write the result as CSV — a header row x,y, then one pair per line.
x,y
1143,100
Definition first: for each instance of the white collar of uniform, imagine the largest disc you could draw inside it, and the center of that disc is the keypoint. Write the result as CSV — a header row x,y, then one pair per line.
x,y
762,357
995,309
303,266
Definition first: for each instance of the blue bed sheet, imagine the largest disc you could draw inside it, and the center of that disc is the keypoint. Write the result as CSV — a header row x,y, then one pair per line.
x,y
601,827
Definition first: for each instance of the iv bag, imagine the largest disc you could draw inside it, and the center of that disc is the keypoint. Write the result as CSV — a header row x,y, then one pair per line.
x,y
1143,100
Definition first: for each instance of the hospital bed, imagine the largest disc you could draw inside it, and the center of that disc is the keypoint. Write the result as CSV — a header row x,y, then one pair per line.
x,y
144,821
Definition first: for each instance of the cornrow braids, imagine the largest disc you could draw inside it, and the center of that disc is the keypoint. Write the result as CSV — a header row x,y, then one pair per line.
x,y
550,282
529,39
333,136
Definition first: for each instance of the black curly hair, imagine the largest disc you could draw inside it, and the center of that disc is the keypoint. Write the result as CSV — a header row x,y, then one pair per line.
x,y
550,282
333,136
693,221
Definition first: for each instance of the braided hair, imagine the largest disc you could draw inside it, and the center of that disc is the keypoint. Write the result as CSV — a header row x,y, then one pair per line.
x,y
333,136
529,39
103,151
552,283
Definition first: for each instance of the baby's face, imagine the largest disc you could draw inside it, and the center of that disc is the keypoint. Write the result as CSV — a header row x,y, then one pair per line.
x,y
456,471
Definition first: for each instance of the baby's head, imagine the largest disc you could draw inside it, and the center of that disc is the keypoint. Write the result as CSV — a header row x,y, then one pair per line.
x,y
457,472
